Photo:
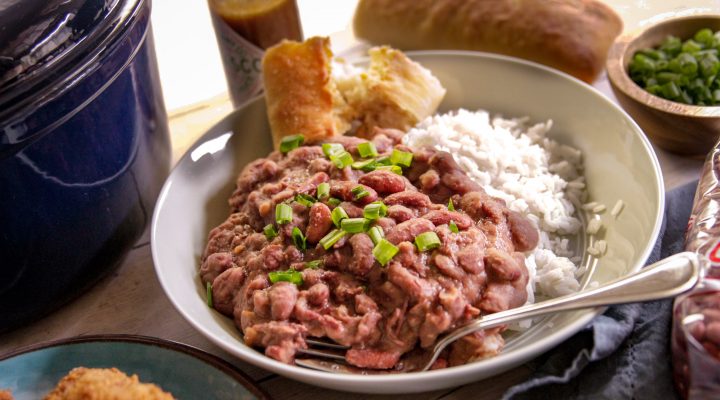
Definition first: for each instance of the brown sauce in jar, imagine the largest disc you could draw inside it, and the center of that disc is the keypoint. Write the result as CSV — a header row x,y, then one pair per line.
x,y
261,22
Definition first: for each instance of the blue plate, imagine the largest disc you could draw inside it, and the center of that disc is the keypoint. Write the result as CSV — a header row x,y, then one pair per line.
x,y
184,371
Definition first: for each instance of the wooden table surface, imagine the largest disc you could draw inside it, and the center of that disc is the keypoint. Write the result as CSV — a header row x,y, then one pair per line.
x,y
131,300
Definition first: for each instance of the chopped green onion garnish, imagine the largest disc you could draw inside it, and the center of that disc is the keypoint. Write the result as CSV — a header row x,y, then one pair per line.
x,y
453,227
315,264
208,294
367,149
298,238
283,213
427,241
359,192
334,202
392,168
375,210
342,159
383,161
338,214
355,225
323,190
270,232
330,149
401,158
291,142
305,199
290,275
366,165
384,251
376,234
451,206
331,238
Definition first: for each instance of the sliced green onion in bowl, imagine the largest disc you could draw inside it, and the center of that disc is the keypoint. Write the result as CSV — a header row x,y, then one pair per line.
x,y
355,225
383,161
283,214
290,275
270,232
366,165
392,168
401,158
330,149
342,159
376,234
298,238
384,251
291,142
337,215
367,149
305,199
209,294
427,241
359,192
333,202
331,238
375,210
451,206
314,264
453,227
323,190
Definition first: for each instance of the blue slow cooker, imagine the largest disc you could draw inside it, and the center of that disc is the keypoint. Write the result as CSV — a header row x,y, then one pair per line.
x,y
84,146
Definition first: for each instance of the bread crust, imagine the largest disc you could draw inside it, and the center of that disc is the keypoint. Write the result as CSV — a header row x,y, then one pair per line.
x,y
300,95
570,35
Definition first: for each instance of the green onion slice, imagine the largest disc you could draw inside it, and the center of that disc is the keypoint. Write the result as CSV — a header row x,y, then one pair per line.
x,y
323,190
305,199
334,202
315,264
383,161
330,149
376,234
331,238
298,238
291,142
453,227
366,165
367,149
342,159
355,225
401,158
427,241
384,251
359,192
338,214
375,210
283,214
392,168
209,294
270,232
451,206
290,275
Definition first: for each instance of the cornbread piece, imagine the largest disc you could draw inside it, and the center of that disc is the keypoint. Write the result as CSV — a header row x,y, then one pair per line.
x,y
104,384
6,395
571,35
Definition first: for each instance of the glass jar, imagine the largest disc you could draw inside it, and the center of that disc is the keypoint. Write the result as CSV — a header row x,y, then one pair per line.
x,y
244,29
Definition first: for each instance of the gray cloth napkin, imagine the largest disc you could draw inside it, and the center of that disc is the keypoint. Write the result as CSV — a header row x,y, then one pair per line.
x,y
625,352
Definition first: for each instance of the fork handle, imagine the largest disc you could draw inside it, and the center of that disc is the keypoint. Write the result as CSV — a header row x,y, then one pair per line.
x,y
666,278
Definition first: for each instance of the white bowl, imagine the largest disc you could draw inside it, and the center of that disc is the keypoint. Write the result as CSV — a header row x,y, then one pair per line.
x,y
619,165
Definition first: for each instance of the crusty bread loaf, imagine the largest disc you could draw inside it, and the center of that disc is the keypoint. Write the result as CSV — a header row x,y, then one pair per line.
x,y
300,95
570,35
310,93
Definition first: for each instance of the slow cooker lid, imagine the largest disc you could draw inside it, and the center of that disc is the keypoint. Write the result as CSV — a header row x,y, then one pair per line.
x,y
43,42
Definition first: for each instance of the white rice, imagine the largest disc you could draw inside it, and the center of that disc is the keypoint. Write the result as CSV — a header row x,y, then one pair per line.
x,y
535,175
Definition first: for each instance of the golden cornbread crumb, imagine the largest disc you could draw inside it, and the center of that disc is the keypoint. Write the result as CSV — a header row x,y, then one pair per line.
x,y
104,384
5,395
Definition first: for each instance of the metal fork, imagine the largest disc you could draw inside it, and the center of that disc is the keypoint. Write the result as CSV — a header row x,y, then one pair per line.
x,y
666,278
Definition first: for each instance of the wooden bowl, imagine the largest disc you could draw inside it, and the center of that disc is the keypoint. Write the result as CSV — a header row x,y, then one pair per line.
x,y
676,127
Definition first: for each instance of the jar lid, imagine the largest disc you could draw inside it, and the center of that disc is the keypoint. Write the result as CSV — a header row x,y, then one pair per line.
x,y
45,45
